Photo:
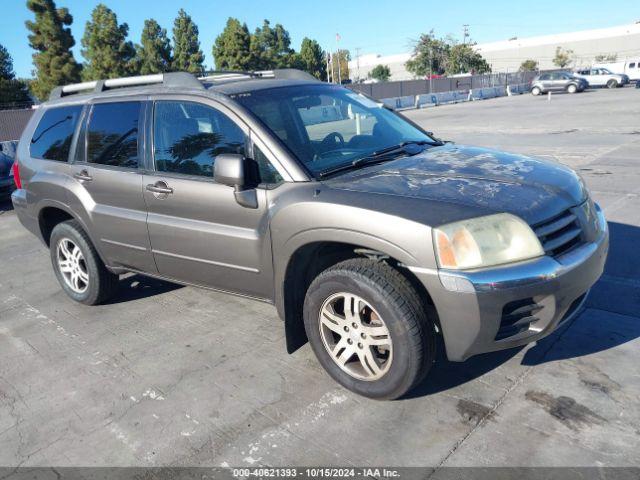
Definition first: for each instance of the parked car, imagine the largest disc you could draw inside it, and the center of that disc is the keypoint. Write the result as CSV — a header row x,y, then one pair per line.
x,y
629,67
557,82
601,77
370,236
7,154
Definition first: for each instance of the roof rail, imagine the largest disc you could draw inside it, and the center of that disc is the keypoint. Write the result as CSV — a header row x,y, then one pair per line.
x,y
281,73
172,79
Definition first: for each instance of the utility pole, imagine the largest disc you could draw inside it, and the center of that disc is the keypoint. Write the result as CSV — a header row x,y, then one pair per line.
x,y
358,62
328,66
465,33
338,55
430,69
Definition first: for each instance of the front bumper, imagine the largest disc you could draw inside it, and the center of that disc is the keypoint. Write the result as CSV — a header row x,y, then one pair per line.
x,y
473,306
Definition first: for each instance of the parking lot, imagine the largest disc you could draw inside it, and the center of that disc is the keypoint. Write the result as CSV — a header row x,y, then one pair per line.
x,y
171,375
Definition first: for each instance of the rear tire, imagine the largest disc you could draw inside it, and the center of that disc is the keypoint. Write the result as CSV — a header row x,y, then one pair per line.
x,y
380,346
613,83
78,266
535,91
572,88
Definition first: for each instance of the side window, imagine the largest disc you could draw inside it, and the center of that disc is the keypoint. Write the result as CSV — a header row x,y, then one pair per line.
x,y
546,76
53,135
267,172
632,65
113,134
188,136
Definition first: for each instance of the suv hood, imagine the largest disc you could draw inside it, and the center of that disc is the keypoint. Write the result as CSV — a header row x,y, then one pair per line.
x,y
495,181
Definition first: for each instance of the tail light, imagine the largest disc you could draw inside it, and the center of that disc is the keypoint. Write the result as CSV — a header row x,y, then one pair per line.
x,y
16,175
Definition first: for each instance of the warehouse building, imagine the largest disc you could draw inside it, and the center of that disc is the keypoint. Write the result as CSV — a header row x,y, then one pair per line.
x,y
506,56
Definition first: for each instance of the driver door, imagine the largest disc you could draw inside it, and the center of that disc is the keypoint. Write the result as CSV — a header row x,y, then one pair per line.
x,y
199,234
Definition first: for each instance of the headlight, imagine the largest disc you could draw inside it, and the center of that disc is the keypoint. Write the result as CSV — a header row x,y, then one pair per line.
x,y
485,241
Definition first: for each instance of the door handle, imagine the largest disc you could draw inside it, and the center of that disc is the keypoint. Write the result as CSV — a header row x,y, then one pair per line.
x,y
83,175
160,187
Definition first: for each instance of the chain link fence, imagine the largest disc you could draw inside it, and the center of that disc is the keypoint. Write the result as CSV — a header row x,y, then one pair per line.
x,y
437,85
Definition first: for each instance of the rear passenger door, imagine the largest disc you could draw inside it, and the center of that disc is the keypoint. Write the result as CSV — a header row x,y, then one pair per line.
x,y
107,183
199,233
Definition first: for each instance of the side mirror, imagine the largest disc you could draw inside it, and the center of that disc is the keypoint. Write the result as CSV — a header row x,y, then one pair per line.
x,y
229,169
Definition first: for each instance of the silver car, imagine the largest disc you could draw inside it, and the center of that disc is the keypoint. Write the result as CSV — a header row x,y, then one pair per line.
x,y
557,82
371,237
601,77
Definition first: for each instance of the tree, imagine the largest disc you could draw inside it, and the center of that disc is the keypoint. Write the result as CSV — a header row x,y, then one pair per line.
x,y
528,66
311,59
271,47
13,92
429,56
187,55
232,48
563,57
52,41
464,59
154,51
105,46
437,56
606,58
342,58
380,73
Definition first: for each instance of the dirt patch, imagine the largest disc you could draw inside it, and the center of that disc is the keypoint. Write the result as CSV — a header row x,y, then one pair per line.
x,y
472,412
571,413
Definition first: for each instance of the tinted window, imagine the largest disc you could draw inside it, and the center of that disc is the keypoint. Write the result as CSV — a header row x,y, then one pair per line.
x,y
113,134
188,136
632,65
52,138
546,76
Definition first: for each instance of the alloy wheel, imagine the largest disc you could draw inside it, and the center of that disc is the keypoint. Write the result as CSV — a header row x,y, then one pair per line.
x,y
72,265
355,336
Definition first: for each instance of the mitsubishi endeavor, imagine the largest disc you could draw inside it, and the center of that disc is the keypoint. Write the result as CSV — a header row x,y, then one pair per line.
x,y
369,235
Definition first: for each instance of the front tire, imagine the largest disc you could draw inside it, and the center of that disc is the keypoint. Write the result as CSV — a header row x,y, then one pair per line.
x,y
367,327
535,91
572,88
78,267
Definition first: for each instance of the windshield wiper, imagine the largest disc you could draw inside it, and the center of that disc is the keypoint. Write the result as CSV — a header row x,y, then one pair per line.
x,y
383,155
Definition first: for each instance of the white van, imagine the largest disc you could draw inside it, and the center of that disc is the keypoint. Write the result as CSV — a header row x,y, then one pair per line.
x,y
630,67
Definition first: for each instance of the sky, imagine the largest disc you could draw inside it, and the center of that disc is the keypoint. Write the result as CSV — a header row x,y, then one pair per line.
x,y
365,26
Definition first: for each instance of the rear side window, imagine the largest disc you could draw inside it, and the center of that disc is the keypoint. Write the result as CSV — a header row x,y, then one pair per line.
x,y
112,135
632,65
188,136
53,135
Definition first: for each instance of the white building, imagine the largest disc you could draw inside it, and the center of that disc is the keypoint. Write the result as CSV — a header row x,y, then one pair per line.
x,y
507,55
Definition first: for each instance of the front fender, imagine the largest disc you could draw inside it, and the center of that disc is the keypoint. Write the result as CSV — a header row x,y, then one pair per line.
x,y
303,224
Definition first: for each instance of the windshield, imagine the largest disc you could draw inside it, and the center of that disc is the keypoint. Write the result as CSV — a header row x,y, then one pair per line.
x,y
328,126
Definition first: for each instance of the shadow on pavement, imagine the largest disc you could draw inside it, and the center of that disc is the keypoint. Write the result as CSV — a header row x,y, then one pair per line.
x,y
611,319
134,287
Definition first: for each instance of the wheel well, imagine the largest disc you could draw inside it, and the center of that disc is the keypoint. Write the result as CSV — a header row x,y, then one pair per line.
x,y
48,218
309,261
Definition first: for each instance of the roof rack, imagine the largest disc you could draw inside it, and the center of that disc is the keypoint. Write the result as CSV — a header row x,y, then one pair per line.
x,y
172,79
178,79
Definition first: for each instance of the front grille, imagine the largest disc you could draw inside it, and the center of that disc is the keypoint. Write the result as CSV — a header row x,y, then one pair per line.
x,y
559,234
517,316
